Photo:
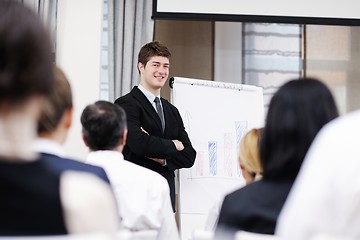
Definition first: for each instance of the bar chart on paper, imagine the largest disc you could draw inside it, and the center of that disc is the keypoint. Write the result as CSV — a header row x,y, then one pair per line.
x,y
216,116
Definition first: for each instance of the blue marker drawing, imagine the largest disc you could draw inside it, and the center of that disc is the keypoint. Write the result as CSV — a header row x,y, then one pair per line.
x,y
212,148
240,128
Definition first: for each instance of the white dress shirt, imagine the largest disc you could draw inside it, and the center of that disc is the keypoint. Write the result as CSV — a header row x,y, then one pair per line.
x,y
149,96
142,195
325,198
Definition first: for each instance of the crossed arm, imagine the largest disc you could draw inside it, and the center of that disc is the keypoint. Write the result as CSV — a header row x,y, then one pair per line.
x,y
178,151
178,144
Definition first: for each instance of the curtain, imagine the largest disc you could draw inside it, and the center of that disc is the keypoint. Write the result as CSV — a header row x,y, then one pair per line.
x,y
47,10
129,27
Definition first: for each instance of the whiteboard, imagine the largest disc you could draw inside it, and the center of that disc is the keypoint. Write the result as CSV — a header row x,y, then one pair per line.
x,y
216,115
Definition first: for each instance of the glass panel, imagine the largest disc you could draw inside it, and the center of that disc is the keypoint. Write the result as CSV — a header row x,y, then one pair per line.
x,y
272,55
333,56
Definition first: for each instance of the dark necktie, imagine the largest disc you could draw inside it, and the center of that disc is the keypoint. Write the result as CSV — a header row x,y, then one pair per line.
x,y
160,112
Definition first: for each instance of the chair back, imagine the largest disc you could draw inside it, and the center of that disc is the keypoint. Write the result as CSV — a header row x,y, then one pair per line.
x,y
243,235
202,235
120,235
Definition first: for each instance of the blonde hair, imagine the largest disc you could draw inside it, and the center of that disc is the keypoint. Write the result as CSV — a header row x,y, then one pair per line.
x,y
249,155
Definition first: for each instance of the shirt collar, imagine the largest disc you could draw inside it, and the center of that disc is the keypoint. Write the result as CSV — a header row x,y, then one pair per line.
x,y
44,145
147,93
105,154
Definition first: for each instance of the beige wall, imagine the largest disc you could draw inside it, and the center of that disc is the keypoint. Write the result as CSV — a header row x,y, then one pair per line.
x,y
78,54
353,81
191,44
333,55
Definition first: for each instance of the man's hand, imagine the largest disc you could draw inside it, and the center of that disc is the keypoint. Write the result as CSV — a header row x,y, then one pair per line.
x,y
158,160
144,131
179,146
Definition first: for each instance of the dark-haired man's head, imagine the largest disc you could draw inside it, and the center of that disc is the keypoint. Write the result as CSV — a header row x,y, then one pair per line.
x,y
104,126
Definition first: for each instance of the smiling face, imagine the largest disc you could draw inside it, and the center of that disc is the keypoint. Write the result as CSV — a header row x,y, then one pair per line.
x,y
154,74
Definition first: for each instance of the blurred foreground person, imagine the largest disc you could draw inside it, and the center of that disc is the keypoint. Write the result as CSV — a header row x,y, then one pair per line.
x,y
297,111
34,199
325,199
53,128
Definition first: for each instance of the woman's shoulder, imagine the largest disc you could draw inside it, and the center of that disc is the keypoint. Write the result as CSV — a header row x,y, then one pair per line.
x,y
243,194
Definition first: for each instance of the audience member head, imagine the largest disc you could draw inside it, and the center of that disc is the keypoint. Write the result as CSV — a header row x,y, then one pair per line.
x,y
57,107
25,55
249,155
26,76
152,49
297,111
104,126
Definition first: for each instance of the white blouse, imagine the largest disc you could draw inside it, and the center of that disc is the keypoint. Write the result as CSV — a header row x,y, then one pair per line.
x,y
325,198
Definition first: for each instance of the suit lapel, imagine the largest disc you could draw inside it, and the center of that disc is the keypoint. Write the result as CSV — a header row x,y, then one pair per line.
x,y
139,96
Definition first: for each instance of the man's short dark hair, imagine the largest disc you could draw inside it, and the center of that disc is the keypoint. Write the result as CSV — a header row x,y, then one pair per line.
x,y
151,49
103,125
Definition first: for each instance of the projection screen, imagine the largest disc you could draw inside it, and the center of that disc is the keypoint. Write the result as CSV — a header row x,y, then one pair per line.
x,y
332,12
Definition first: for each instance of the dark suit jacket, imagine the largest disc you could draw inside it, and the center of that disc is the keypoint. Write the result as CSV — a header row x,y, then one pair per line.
x,y
59,164
30,201
253,208
139,145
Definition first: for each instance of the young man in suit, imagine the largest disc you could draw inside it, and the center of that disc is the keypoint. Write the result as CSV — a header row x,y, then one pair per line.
x,y
157,138
53,127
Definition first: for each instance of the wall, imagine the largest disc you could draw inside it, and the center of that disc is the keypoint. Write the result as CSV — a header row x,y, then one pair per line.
x,y
333,55
228,52
191,44
353,81
202,49
78,54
